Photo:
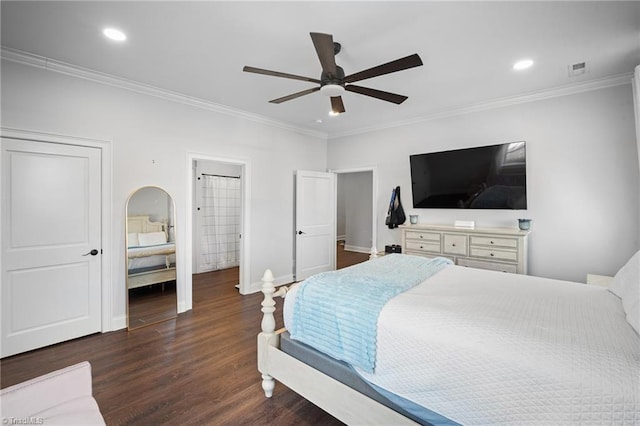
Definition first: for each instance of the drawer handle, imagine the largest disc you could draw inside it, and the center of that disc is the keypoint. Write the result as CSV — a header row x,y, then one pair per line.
x,y
453,245
421,236
421,247
490,254
491,242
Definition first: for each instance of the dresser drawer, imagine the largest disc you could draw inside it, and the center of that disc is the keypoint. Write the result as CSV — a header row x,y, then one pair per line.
x,y
429,246
494,254
492,266
494,241
423,236
455,244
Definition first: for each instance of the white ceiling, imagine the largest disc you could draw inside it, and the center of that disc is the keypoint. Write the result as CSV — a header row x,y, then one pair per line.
x,y
198,49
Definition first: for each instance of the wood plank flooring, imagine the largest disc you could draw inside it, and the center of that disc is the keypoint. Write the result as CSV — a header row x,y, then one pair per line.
x,y
347,258
197,369
152,303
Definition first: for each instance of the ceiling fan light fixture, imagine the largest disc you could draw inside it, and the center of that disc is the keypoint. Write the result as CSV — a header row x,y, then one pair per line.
x,y
332,90
114,34
523,64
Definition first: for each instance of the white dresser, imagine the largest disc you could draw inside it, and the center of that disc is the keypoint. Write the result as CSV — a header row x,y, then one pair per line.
x,y
498,249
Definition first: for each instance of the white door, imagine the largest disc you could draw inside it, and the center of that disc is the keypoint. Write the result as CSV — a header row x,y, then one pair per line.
x,y
51,255
315,223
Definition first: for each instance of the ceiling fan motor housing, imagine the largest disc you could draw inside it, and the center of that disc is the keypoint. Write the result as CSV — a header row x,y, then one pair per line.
x,y
331,85
326,78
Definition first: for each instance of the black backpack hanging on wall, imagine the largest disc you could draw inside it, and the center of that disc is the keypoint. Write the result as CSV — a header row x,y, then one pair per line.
x,y
396,215
387,221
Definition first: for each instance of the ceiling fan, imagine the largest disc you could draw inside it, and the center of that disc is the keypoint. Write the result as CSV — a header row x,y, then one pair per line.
x,y
333,82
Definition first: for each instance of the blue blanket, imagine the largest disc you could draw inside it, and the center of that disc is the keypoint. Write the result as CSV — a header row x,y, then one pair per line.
x,y
337,312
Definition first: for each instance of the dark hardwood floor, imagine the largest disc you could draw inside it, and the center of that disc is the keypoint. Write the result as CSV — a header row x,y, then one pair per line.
x,y
346,258
197,369
151,304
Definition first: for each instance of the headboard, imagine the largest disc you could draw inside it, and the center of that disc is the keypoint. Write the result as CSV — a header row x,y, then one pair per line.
x,y
142,225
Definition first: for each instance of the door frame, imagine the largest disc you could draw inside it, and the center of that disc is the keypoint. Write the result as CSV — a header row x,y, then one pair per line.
x,y
106,201
245,220
374,202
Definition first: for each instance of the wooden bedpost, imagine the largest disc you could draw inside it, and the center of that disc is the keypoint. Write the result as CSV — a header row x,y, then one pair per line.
x,y
268,321
268,304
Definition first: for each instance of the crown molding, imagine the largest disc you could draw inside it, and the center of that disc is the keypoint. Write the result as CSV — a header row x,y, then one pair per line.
x,y
30,59
572,89
37,61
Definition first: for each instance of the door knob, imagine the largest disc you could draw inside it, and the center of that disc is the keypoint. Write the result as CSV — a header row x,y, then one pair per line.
x,y
92,253
300,232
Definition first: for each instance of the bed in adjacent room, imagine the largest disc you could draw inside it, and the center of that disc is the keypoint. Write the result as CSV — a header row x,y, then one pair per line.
x,y
150,256
445,344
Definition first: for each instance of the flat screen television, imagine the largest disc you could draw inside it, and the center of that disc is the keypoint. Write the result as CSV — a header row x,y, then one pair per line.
x,y
485,177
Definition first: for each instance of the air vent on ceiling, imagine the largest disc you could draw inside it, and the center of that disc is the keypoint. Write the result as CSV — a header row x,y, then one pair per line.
x,y
578,68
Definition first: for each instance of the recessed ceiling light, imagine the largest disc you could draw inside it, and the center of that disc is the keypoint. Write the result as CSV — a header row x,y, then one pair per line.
x,y
523,64
114,34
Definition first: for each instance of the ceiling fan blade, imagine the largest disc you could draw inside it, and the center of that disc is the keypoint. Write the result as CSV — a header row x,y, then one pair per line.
x,y
336,105
378,94
279,74
293,96
393,66
325,50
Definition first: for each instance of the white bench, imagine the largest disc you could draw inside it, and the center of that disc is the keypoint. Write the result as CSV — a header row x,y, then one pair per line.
x,y
62,397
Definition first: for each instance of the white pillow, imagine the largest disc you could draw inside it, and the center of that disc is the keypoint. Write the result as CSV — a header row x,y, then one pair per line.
x,y
633,315
152,238
626,285
132,239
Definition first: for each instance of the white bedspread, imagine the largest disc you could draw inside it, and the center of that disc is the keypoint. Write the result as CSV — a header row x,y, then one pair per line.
x,y
144,251
150,256
484,347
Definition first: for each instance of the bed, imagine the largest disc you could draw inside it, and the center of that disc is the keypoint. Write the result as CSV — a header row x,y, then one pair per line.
x,y
150,256
480,347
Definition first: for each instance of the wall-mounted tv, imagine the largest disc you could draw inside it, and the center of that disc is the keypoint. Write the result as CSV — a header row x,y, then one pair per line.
x,y
485,177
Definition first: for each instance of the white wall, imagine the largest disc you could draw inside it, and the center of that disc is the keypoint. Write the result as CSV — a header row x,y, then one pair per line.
x,y
582,175
151,139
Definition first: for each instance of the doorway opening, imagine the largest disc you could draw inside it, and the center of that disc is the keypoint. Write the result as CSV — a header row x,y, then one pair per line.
x,y
218,221
216,216
356,198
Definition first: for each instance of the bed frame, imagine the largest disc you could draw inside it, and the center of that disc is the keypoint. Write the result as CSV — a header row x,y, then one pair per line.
x,y
142,224
337,399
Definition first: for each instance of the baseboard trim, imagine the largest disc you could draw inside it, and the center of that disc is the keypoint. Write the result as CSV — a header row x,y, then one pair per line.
x,y
118,323
357,249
